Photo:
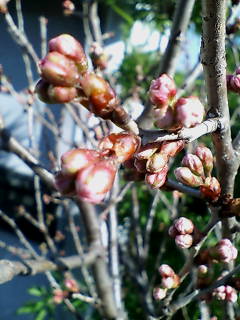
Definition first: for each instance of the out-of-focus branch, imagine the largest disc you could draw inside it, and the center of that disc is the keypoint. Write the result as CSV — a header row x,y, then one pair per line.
x,y
100,270
10,269
169,60
214,67
180,23
10,144
174,185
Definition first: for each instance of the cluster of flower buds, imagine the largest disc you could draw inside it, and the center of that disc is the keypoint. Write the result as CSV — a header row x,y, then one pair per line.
x,y
65,77
226,293
61,70
71,287
223,251
169,113
89,174
196,172
151,161
182,231
98,56
170,279
233,81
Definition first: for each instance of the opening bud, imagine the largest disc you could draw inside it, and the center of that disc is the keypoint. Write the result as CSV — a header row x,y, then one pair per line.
x,y
172,148
122,145
164,118
224,251
74,160
162,91
94,181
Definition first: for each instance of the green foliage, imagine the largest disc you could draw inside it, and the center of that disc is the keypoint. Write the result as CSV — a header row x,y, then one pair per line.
x,y
43,308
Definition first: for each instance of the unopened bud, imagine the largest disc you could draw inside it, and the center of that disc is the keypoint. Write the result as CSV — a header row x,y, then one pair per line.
x,y
54,94
146,151
233,83
231,294
164,120
224,251
157,180
193,163
162,91
185,175
59,70
94,181
184,241
172,148
189,112
205,155
211,188
71,48
157,162
184,225
122,145
101,95
159,293
166,271
71,285
74,160
202,270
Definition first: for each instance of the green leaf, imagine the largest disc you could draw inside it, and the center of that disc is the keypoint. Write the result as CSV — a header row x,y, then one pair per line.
x,y
122,13
27,308
41,315
35,291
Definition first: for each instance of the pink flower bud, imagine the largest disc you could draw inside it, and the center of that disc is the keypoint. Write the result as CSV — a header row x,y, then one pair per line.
x,y
224,251
202,270
168,282
220,293
193,163
59,295
205,155
189,112
71,48
123,145
101,95
164,120
146,151
185,175
233,83
71,285
157,162
184,225
211,188
65,184
172,148
94,181
74,160
157,180
52,94
166,271
59,70
184,241
231,294
162,91
159,293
